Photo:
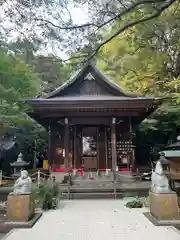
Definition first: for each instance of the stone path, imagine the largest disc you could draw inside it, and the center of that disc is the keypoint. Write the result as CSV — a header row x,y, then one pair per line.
x,y
94,220
1,235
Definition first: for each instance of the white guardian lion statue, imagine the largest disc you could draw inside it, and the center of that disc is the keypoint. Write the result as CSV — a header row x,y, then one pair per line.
x,y
23,184
159,181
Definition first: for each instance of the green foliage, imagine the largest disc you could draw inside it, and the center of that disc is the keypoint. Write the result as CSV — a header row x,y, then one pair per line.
x,y
48,196
134,204
29,138
18,83
145,201
54,24
52,72
145,60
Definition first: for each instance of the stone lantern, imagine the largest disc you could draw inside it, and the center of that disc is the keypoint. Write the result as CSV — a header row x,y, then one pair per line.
x,y
19,165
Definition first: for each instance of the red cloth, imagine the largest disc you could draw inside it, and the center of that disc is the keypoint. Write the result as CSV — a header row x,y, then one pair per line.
x,y
81,170
61,170
124,170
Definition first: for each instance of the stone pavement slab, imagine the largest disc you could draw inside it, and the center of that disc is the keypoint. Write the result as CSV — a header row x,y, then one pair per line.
x,y
94,220
1,235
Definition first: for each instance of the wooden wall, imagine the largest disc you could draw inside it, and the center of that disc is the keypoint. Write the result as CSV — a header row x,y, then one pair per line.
x,y
57,142
75,144
102,147
78,145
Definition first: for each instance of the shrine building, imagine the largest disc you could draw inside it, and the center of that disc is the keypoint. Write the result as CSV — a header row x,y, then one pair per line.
x,y
90,121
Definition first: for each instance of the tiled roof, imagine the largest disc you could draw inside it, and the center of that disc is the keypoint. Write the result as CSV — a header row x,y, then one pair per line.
x,y
77,74
92,98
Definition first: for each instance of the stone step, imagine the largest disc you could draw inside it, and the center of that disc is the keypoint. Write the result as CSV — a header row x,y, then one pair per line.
x,y
121,178
91,195
107,185
88,190
94,195
102,195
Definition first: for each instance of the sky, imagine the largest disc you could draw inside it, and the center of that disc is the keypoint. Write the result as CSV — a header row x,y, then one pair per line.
x,y
79,16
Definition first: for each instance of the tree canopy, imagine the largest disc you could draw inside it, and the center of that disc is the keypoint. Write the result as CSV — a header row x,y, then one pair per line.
x,y
145,60
51,21
21,80
18,83
146,57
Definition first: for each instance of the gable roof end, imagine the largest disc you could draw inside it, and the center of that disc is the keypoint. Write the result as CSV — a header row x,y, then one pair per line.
x,y
78,73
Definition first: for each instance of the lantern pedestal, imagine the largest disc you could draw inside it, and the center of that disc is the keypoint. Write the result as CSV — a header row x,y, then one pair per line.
x,y
164,206
20,208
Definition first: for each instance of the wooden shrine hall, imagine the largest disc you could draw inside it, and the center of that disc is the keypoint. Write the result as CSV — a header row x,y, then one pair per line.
x,y
90,122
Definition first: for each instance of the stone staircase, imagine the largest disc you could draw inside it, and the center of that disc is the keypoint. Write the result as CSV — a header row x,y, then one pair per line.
x,y
89,192
102,187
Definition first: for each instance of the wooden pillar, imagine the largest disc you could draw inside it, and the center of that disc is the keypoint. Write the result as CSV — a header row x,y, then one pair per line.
x,y
49,147
97,139
66,144
78,147
102,147
133,163
106,146
74,149
113,144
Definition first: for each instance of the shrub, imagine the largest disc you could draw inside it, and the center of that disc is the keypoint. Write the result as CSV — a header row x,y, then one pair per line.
x,y
145,201
48,196
134,204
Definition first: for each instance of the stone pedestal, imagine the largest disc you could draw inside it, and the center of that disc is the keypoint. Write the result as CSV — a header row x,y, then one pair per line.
x,y
20,208
164,206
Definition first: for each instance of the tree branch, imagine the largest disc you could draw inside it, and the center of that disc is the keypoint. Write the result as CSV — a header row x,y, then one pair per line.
x,y
157,13
122,4
130,25
66,27
91,24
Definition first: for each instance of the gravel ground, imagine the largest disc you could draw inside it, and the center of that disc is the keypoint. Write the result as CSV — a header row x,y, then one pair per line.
x,y
95,220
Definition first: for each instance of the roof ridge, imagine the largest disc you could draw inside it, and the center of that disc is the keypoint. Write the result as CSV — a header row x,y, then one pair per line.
x,y
77,73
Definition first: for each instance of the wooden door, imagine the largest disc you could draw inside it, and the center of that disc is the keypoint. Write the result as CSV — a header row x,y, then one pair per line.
x,y
90,148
